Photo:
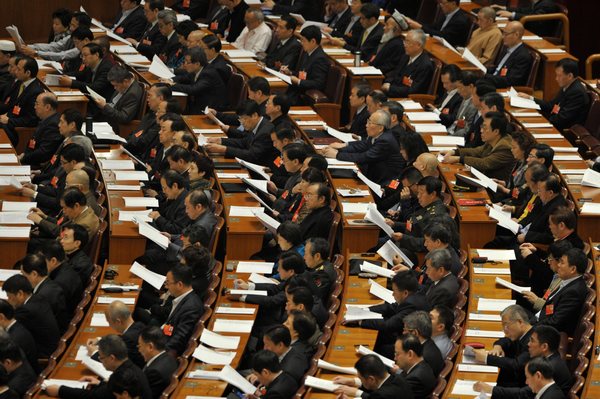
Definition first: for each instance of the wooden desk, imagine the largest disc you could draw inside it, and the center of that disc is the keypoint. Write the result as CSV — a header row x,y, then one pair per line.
x,y
64,101
591,389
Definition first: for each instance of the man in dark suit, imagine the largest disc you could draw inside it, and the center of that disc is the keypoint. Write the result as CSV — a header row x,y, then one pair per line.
x,y
337,16
563,306
130,21
170,53
409,358
453,25
277,339
372,32
442,285
284,49
537,7
195,9
450,101
318,222
124,105
18,333
234,20
73,239
414,72
306,8
377,156
358,102
18,109
151,41
94,76
112,353
159,365
391,48
321,270
34,315
572,102
375,381
63,274
46,138
419,324
311,71
204,86
515,61
157,162
510,354
255,145
20,374
408,300
277,383
170,216
212,48
539,375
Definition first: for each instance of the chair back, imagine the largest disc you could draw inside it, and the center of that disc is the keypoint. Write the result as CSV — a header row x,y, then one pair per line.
x,y
237,90
214,239
333,232
435,79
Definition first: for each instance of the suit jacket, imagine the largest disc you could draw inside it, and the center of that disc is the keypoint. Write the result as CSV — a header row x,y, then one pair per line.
x,y
37,317
70,283
306,8
512,364
444,292
421,380
22,378
173,218
50,292
104,391
82,264
23,338
172,51
515,70
448,112
456,30
433,356
368,48
159,372
126,108
295,364
207,89
286,54
568,108
393,314
219,64
317,223
562,310
359,122
464,117
152,41
133,25
218,20
394,387
339,26
388,55
44,143
380,160
194,8
252,147
20,108
98,82
236,21
183,320
410,79
540,28
316,67
282,387
144,137
495,162
539,231
130,337
324,277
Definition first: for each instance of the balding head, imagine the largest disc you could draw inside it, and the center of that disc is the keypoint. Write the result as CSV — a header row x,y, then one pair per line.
x,y
118,316
427,164
194,38
45,105
78,178
513,33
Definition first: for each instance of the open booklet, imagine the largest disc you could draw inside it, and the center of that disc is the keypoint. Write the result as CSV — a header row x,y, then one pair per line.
x,y
159,69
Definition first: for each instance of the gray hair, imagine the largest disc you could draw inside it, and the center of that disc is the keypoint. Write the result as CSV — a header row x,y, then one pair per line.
x,y
488,12
114,345
118,74
439,258
84,142
419,321
383,118
168,17
258,14
515,313
117,310
419,36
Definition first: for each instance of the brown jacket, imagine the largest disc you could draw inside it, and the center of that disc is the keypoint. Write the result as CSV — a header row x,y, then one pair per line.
x,y
87,219
495,162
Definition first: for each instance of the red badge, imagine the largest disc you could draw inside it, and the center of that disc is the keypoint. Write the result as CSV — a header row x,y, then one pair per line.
x,y
408,225
285,194
555,109
31,144
53,159
138,134
503,71
302,75
54,182
186,4
547,294
214,25
407,81
153,153
119,30
549,309
16,110
445,111
59,221
81,67
460,123
167,330
278,162
394,184
515,193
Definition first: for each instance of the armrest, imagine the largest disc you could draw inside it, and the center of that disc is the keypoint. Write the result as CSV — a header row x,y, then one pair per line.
x,y
559,16
422,99
316,96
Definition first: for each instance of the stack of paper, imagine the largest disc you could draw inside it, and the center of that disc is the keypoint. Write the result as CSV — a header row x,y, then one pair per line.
x,y
99,320
381,292
484,333
107,300
362,350
230,325
373,215
448,140
234,310
271,224
133,175
239,53
423,116
430,128
591,178
410,105
15,170
254,267
154,279
279,75
319,383
494,305
152,234
465,387
64,383
355,207
469,56
355,314
210,356
254,167
389,249
14,206
97,367
489,183
345,137
244,211
539,125
248,292
260,279
590,208
15,232
159,69
367,70
504,221
497,254
512,286
520,102
334,367
139,202
371,268
117,164
376,188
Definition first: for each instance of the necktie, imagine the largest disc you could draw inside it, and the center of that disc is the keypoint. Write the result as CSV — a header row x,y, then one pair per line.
x,y
21,88
364,37
502,62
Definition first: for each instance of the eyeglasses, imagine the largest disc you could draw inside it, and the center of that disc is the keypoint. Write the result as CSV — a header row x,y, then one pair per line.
x,y
370,122
506,33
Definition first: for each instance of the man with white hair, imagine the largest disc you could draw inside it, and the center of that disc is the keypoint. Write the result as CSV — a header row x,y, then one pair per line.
x,y
7,50
415,70
256,36
378,156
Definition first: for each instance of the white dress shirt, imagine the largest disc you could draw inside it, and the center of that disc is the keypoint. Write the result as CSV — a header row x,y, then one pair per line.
x,y
256,40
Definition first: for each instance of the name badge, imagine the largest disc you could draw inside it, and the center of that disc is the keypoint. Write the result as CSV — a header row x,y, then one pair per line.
x,y
407,81
302,75
555,109
503,71
16,110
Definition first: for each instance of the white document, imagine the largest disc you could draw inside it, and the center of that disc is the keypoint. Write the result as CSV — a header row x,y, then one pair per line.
x,y
5,274
260,279
14,218
504,221
422,116
477,368
97,367
311,123
492,270
411,105
320,383
363,350
64,383
371,268
131,202
532,37
133,175
469,56
152,234
109,136
563,157
133,287
591,178
254,167
219,341
258,184
373,215
497,254
590,208
366,70
123,49
355,314
207,131
201,374
15,170
260,200
540,125
345,61
154,279
118,38
430,128
15,232
447,140
494,305
229,375
547,135
572,171
15,206
484,317
381,292
512,286
336,51
129,58
521,102
551,50
336,162
525,114
254,267
230,325
158,68
234,310
352,192
236,53
244,211
107,300
267,221
99,320
117,164
465,387
301,112
12,181
484,333
355,207
445,43
334,367
123,187
279,75
389,249
376,188
345,137
227,175
210,356
95,96
248,292
52,79
489,183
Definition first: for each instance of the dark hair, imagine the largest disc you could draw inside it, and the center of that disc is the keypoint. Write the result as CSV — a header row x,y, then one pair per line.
x,y
30,65
52,249
541,365
302,295
197,258
285,133
125,380
445,317
248,108
292,260
17,283
410,342
63,15
568,66
172,177
79,233
118,74
370,365
196,234
453,72
212,42
265,359
82,33
324,191
6,309
50,99
494,100
437,232
279,334
552,183
311,33
562,214
73,152
414,145
113,345
290,22
467,78
362,89
154,335
412,174
95,48
295,151
10,350
283,102
190,141
304,324
71,115
73,196
259,83
174,107
177,153
405,280
184,28
378,96
313,175
370,10
318,245
548,335
577,258
156,4
198,197
524,140
432,185
204,163
183,274
82,19
197,56
483,87
538,172
558,248
544,151
394,108
497,122
318,161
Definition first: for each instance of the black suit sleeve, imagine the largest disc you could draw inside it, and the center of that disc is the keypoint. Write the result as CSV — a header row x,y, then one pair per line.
x,y
49,141
318,76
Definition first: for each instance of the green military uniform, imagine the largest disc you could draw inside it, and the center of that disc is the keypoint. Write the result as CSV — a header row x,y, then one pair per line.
x,y
323,276
413,238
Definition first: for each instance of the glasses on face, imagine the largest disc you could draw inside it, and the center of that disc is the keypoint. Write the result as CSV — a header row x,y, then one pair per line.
x,y
506,33
370,122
